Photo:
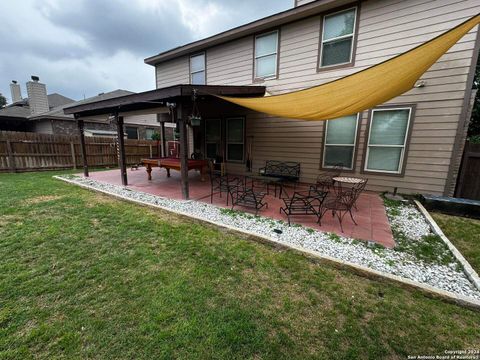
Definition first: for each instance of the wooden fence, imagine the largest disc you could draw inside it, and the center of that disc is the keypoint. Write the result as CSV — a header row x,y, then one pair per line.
x,y
20,151
468,183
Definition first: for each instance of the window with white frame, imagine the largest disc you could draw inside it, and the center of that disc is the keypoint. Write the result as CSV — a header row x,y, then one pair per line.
x,y
149,133
338,38
266,53
213,136
340,141
197,69
235,134
387,140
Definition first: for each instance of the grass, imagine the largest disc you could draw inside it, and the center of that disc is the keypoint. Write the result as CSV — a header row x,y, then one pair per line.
x,y
83,275
464,233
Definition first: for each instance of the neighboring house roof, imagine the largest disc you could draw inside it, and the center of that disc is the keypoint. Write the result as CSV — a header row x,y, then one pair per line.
x,y
21,109
254,27
57,113
15,111
104,96
55,100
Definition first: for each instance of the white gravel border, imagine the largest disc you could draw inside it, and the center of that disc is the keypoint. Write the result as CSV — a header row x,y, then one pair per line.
x,y
441,280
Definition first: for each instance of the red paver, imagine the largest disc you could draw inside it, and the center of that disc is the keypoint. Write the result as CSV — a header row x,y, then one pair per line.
x,y
370,216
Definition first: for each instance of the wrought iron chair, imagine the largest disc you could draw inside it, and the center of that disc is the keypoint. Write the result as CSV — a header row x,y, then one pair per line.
x,y
196,156
341,205
246,196
325,180
303,203
357,190
222,183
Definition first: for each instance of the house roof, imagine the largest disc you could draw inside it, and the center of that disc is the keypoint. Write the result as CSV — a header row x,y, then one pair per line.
x,y
266,23
58,113
15,111
156,98
56,99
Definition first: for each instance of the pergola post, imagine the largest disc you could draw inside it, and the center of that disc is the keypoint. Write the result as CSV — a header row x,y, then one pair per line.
x,y
181,121
162,149
121,149
81,130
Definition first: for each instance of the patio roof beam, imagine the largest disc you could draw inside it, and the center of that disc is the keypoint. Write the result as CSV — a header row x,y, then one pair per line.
x,y
149,100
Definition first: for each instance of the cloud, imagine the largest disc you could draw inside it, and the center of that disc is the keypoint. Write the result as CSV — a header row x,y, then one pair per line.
x,y
84,47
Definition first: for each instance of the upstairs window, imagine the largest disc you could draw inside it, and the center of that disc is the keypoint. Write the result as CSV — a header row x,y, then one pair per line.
x,y
337,38
340,141
387,140
266,55
197,69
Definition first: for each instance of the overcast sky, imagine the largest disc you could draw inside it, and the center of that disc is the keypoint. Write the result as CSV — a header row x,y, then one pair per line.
x,y
84,47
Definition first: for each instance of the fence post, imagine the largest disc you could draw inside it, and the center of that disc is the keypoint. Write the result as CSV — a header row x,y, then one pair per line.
x,y
151,151
74,158
11,157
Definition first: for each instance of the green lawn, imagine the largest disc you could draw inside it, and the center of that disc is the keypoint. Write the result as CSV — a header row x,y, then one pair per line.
x,y
464,233
86,276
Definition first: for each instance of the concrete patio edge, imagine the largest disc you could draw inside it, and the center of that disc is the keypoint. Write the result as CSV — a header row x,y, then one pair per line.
x,y
467,268
357,269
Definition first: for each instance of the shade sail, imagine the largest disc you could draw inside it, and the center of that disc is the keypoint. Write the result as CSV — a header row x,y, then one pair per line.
x,y
362,90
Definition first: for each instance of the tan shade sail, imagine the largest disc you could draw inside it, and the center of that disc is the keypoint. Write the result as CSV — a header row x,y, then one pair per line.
x,y
362,90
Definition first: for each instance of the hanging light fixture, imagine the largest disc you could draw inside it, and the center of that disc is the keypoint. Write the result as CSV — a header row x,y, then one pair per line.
x,y
195,118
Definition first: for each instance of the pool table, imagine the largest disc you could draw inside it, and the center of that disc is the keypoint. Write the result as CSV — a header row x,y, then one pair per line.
x,y
174,163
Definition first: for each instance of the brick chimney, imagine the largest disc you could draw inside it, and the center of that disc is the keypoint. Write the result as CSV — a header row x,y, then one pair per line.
x,y
37,96
15,91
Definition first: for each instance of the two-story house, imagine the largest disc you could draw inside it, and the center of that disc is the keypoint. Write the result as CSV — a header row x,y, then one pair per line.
x,y
413,142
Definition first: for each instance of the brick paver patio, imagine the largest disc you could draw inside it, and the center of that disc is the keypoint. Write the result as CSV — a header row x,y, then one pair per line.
x,y
371,217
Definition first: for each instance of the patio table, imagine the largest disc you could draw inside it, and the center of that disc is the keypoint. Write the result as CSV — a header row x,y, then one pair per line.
x,y
347,180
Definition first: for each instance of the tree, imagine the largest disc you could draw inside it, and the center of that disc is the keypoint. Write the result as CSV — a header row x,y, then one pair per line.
x,y
474,126
3,101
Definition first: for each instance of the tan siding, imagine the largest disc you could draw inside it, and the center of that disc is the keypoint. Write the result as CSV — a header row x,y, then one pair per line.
x,y
173,72
387,28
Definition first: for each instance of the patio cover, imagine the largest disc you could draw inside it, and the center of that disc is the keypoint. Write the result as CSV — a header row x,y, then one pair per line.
x,y
362,90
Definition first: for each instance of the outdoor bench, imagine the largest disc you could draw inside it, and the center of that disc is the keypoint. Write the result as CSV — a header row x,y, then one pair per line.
x,y
287,171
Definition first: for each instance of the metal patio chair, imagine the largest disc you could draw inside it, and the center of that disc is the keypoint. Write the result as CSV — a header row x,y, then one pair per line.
x,y
325,179
248,197
357,191
340,205
303,203
222,183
